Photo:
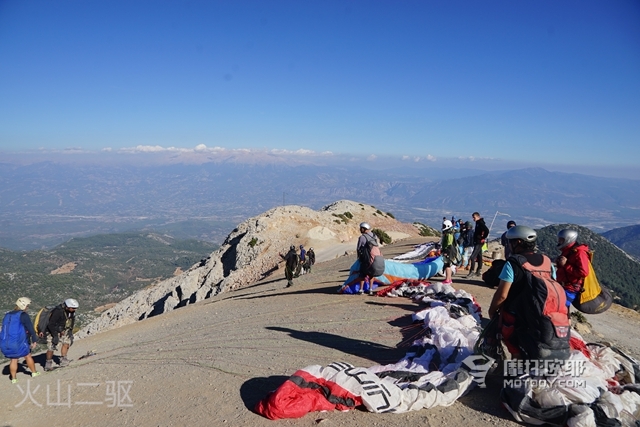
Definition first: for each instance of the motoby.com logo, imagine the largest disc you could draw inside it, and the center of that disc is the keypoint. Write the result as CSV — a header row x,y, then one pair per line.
x,y
544,373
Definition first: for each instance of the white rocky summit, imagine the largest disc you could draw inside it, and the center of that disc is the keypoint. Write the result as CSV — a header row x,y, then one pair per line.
x,y
250,253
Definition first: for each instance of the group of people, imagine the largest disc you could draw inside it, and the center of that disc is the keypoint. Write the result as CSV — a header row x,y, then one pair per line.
x,y
533,314
296,263
468,240
18,336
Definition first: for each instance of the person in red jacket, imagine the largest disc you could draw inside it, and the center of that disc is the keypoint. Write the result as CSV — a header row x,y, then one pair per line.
x,y
572,264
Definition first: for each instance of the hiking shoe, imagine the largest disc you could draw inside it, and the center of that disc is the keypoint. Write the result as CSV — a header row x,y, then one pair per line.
x,y
447,282
372,293
471,275
34,374
49,365
64,362
13,381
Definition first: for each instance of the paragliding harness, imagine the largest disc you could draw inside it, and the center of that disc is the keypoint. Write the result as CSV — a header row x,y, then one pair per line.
x,y
592,298
540,319
13,337
370,257
42,319
452,255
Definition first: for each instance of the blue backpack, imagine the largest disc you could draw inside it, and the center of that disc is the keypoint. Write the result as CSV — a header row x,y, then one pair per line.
x,y
13,336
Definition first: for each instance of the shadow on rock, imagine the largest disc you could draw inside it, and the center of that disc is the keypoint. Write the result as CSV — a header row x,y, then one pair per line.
x,y
254,390
375,352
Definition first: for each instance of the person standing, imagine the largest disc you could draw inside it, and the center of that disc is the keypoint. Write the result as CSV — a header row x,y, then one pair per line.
x,y
480,234
303,259
17,331
60,331
446,250
572,264
467,244
504,242
311,259
290,265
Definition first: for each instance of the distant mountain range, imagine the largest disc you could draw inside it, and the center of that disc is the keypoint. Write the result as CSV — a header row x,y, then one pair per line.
x,y
44,204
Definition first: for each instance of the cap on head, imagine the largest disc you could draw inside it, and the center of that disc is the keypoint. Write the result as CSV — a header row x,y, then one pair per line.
x,y
446,224
522,232
566,237
71,303
365,225
511,224
23,302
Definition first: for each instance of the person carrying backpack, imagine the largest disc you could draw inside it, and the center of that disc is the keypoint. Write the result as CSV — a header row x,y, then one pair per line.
x,y
369,255
573,263
532,309
311,259
17,331
449,250
480,234
291,264
59,330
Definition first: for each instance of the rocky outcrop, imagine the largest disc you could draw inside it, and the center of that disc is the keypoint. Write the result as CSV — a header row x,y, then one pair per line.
x,y
249,253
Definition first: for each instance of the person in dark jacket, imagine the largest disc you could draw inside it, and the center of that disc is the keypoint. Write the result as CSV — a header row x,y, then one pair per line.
x,y
291,263
479,236
467,244
505,242
22,304
60,331
311,259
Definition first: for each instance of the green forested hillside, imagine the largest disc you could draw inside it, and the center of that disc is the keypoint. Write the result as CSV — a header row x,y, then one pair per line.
x,y
615,269
95,270
626,238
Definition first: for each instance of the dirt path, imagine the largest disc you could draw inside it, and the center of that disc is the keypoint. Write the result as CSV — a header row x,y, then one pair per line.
x,y
209,363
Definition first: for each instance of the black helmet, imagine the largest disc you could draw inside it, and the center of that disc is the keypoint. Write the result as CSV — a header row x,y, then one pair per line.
x,y
292,247
301,246
568,237
511,223
468,225
522,232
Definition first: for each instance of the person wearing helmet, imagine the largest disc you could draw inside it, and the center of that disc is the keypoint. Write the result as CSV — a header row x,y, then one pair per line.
x,y
480,233
517,301
60,331
446,250
573,263
503,239
15,341
311,259
366,235
291,264
303,260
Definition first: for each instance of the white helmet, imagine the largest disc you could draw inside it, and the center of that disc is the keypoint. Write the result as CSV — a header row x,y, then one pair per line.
x,y
446,224
23,302
365,225
71,303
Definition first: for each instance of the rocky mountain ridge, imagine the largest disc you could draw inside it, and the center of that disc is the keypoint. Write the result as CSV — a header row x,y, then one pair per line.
x,y
250,253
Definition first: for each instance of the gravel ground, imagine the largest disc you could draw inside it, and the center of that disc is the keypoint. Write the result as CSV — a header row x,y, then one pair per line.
x,y
209,363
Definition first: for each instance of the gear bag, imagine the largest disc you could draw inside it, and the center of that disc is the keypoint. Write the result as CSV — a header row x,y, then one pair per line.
x,y
593,299
370,256
13,337
42,319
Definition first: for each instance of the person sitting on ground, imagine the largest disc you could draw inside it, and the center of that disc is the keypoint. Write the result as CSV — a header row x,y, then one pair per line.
x,y
503,239
447,245
311,259
17,331
290,265
479,235
573,263
60,331
533,312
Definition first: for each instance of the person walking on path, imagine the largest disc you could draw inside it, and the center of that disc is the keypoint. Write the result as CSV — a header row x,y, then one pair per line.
x,y
311,259
291,263
17,331
60,331
479,236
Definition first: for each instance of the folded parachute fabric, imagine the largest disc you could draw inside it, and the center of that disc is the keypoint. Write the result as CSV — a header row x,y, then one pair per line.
x,y
421,251
393,272
342,386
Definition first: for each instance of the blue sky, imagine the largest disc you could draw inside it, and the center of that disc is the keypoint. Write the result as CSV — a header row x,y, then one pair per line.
x,y
519,82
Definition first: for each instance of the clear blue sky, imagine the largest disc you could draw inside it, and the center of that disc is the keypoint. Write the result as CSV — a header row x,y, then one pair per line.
x,y
539,81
